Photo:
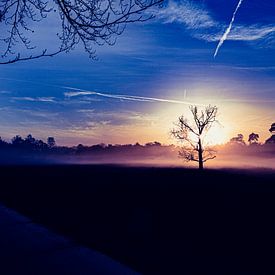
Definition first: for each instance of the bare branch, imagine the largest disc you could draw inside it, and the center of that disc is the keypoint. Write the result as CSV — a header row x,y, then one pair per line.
x,y
87,22
209,158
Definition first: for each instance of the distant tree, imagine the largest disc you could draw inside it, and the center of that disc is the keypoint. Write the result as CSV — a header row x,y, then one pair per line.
x,y
84,22
29,140
192,134
239,140
271,140
272,128
80,148
3,143
253,138
40,145
98,147
51,142
155,143
17,140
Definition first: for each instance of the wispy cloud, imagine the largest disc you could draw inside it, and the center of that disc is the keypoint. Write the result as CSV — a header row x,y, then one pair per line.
x,y
241,33
118,118
39,113
35,99
251,100
193,15
225,35
80,92
250,33
5,92
72,94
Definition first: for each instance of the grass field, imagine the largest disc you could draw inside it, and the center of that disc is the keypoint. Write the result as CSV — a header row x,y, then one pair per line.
x,y
155,220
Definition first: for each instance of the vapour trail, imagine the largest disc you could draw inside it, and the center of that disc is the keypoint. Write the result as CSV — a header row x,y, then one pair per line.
x,y
225,35
81,92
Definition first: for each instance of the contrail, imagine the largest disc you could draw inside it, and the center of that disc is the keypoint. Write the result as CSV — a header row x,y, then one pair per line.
x,y
81,92
225,35
185,94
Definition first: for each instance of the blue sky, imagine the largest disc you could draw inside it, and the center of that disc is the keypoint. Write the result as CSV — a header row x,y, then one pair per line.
x,y
137,88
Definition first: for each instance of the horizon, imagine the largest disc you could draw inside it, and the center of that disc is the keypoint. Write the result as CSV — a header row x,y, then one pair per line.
x,y
173,141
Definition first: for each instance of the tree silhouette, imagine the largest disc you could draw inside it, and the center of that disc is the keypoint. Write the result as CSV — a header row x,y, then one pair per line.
x,y
81,21
51,142
3,143
271,140
253,138
192,134
29,140
238,140
17,140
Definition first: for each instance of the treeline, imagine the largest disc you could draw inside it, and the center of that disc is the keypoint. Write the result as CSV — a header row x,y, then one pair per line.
x,y
253,139
33,145
30,149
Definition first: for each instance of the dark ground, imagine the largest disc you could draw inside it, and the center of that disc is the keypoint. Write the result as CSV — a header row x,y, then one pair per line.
x,y
155,220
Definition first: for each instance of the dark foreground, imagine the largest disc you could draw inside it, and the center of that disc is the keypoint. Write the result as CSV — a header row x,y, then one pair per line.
x,y
29,249
155,220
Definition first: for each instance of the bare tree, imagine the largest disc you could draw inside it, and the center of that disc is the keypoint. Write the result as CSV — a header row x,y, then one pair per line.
x,y
88,22
192,135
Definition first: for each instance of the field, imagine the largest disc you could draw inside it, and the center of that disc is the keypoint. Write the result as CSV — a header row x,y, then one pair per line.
x,y
154,220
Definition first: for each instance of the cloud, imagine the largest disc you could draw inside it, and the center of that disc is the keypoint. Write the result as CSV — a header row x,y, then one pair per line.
x,y
5,92
36,99
192,15
72,94
118,118
39,113
124,97
250,33
259,101
241,33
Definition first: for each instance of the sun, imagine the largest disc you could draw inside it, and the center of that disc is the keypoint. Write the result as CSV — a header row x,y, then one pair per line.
x,y
216,135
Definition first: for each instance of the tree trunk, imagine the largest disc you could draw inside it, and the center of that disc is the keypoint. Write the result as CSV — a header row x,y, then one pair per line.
x,y
200,155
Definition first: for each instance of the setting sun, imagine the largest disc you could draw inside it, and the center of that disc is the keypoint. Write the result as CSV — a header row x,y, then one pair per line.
x,y
216,135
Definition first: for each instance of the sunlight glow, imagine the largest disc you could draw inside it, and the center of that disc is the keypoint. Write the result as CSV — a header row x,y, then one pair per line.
x,y
216,135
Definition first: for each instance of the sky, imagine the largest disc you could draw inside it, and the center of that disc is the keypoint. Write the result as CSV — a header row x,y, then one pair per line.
x,y
193,52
